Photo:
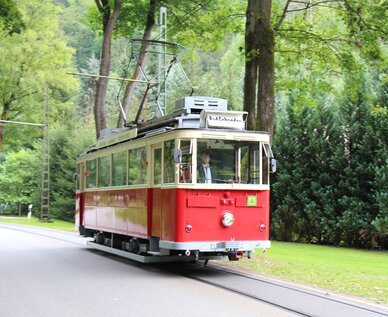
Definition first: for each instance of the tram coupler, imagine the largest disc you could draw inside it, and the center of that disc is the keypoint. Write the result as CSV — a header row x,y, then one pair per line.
x,y
194,253
235,255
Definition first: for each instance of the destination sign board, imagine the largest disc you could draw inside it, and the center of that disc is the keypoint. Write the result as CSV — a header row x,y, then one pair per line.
x,y
223,119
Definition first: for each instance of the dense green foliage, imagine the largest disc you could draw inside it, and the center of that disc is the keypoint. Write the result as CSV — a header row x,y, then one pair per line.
x,y
30,61
331,185
20,176
66,145
10,17
331,131
331,101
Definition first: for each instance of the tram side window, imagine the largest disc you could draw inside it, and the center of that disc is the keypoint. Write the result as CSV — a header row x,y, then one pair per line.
x,y
186,162
169,165
157,166
90,174
104,171
266,156
137,173
119,169
244,165
77,178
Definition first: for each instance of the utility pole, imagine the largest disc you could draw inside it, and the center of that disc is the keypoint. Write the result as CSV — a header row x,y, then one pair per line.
x,y
45,180
162,61
45,185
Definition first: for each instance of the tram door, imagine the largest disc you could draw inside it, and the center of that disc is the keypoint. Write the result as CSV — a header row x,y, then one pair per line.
x,y
80,194
156,184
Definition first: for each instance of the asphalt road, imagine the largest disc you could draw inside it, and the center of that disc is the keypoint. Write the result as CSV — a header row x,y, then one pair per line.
x,y
51,273
42,276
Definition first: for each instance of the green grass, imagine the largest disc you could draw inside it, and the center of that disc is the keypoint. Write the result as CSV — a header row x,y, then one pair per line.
x,y
362,273
55,224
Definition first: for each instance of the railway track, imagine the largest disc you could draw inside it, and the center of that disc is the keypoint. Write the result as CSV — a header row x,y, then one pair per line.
x,y
252,296
297,300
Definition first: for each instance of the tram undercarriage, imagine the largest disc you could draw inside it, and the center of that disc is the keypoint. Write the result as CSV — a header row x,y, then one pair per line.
x,y
148,251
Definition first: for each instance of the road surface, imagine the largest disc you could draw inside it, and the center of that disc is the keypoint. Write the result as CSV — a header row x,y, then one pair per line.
x,y
51,273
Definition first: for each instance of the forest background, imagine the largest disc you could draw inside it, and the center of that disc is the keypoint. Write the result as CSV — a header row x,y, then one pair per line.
x,y
330,130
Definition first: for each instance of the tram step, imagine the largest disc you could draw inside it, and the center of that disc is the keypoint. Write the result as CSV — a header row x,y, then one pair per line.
x,y
154,252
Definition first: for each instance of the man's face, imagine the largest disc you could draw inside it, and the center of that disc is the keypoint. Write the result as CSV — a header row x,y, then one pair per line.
x,y
205,158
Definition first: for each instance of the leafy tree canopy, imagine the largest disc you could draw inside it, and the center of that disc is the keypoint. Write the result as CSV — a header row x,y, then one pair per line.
x,y
29,61
10,17
195,24
20,176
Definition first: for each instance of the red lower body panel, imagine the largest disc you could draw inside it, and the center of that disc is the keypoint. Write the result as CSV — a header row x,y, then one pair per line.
x,y
178,215
118,211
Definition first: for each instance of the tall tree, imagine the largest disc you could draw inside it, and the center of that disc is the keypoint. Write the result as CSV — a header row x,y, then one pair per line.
x,y
259,81
266,68
109,18
325,55
350,24
251,61
130,87
10,17
29,60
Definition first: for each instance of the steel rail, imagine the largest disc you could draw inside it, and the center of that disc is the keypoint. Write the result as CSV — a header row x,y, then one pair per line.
x,y
246,294
288,287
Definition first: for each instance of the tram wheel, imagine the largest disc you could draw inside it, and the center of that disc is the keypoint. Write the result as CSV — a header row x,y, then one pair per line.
x,y
99,238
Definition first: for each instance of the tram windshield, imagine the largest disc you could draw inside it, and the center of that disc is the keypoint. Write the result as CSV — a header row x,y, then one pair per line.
x,y
225,161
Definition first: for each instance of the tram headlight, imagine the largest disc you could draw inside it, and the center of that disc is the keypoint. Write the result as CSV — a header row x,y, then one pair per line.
x,y
188,228
227,219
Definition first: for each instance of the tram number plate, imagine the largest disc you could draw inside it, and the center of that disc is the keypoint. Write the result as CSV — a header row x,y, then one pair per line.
x,y
251,200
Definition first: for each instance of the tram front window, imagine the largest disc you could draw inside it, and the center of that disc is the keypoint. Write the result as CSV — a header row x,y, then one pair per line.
x,y
216,161
229,161
185,171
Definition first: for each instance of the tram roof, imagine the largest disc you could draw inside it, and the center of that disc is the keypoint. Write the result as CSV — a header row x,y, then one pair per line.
x,y
191,113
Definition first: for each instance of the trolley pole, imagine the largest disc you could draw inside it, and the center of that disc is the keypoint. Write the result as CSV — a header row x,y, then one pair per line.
x,y
162,61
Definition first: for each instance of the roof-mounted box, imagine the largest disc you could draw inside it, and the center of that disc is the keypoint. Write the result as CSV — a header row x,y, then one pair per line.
x,y
195,104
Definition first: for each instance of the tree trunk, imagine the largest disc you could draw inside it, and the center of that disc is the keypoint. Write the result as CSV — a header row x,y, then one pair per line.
x,y
131,85
259,99
266,64
4,114
251,62
1,134
109,21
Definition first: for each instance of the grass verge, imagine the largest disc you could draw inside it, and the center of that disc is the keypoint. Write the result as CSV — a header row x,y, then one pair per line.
x,y
55,224
361,273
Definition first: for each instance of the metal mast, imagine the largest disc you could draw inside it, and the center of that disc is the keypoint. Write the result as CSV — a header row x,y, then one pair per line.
x,y
45,186
162,61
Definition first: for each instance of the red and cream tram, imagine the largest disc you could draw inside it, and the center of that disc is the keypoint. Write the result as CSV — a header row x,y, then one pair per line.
x,y
143,192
